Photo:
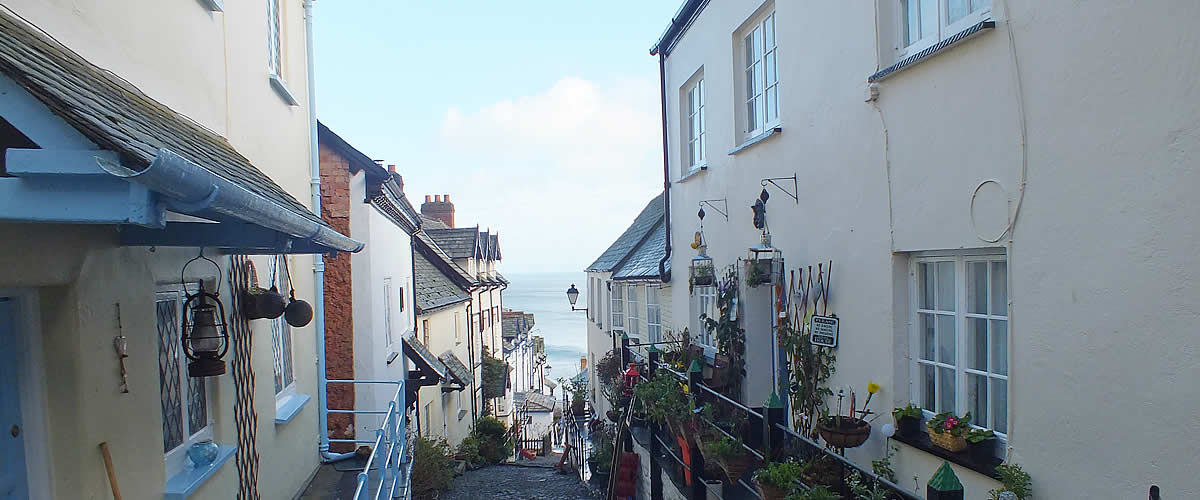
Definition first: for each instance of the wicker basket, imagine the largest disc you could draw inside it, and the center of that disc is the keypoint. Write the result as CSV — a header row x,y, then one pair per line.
x,y
948,441
849,434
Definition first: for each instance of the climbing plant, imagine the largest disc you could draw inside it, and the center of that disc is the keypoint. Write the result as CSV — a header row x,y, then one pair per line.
x,y
494,375
812,366
731,337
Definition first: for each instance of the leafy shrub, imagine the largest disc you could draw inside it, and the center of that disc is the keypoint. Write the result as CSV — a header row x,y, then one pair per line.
x,y
494,376
433,467
818,493
468,451
780,475
493,441
723,448
1015,480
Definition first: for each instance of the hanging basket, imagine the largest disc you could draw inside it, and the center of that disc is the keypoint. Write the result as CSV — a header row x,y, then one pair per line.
x,y
947,441
842,432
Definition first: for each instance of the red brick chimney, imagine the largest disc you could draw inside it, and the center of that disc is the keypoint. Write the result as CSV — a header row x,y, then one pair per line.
x,y
440,208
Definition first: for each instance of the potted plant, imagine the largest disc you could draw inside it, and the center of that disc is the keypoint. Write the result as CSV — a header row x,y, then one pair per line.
x,y
908,420
577,390
847,431
948,431
600,460
759,273
817,493
777,479
702,274
664,401
733,458
981,445
1017,483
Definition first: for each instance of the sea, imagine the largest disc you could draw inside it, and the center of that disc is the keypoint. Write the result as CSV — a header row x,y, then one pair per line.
x,y
545,295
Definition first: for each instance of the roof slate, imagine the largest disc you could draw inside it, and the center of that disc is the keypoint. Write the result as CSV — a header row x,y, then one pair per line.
x,y
432,250
459,243
626,245
433,288
457,370
643,262
119,117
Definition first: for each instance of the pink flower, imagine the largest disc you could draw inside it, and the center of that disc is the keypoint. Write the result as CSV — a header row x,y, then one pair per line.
x,y
951,422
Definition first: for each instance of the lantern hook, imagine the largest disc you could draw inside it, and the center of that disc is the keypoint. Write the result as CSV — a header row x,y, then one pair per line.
x,y
794,192
723,210
182,272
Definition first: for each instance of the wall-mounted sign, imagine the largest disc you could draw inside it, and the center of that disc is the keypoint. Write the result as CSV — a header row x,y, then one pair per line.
x,y
823,331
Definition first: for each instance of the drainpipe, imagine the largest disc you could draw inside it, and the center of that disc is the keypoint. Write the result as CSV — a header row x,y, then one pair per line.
x,y
318,260
663,274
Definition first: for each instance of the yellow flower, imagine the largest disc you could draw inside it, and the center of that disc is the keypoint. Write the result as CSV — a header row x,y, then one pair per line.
x,y
685,388
872,387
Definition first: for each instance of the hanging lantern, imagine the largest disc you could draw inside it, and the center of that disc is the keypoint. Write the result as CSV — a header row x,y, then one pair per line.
x,y
765,260
572,294
205,337
632,377
701,270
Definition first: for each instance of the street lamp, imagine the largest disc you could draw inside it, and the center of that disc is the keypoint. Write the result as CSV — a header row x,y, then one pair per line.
x,y
573,295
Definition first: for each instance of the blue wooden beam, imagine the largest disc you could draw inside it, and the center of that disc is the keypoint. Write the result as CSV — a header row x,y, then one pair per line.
x,y
39,162
68,200
36,121
230,236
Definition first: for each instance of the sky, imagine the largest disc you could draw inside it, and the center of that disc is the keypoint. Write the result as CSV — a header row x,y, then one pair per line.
x,y
539,118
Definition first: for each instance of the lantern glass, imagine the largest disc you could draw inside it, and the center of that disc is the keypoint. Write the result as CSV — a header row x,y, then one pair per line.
x,y
702,270
572,294
205,337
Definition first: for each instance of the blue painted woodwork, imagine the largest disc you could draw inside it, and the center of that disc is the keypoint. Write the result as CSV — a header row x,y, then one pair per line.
x,y
57,162
187,481
288,410
70,200
234,236
13,482
36,121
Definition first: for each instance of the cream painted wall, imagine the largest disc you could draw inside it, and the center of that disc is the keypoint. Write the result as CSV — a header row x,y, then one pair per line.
x,y
1106,90
444,414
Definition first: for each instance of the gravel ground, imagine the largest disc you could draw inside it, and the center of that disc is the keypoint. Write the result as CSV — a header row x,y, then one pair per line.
x,y
514,482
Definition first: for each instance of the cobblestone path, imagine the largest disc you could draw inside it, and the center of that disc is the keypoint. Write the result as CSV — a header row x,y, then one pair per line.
x,y
512,482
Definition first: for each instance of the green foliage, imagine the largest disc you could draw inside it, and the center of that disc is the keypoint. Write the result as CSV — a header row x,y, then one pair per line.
x,y
602,449
1015,480
609,369
975,436
910,411
664,399
731,337
883,467
468,451
702,275
723,448
866,489
759,273
433,467
812,367
492,439
781,475
948,422
577,389
494,375
817,493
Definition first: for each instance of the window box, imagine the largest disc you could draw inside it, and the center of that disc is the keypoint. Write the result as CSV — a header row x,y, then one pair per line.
x,y
921,442
187,481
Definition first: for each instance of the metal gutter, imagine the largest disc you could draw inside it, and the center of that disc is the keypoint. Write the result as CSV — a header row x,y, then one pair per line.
x,y
679,24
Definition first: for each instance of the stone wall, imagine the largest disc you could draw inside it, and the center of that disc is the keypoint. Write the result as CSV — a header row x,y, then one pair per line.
x,y
339,325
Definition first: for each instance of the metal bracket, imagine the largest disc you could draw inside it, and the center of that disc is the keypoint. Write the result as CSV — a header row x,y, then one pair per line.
x,y
794,193
724,210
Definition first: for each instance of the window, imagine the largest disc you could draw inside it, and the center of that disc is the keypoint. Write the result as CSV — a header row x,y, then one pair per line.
x,y
462,412
425,332
401,299
695,121
706,303
281,331
961,337
274,39
457,329
634,323
184,400
926,22
653,314
761,79
618,307
387,311
428,413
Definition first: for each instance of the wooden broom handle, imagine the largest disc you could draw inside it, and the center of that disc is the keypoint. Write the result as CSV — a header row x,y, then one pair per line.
x,y
112,474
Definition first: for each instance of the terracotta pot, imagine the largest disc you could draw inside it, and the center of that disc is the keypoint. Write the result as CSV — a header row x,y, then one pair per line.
x,y
844,432
769,492
735,467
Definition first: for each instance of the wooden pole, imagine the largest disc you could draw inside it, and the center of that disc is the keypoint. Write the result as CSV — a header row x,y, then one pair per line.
x,y
112,473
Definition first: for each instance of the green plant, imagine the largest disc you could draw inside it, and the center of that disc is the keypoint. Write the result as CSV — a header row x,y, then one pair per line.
x,y
812,366
731,337
1015,480
883,467
664,399
433,467
817,493
910,411
468,451
608,369
722,448
780,475
975,436
865,489
577,388
702,275
602,450
948,422
493,439
494,375
759,273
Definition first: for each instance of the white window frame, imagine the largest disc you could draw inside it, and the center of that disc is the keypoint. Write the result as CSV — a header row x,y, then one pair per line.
x,y
653,314
945,28
706,302
280,326
387,313
175,460
633,320
695,137
960,261
617,310
759,91
275,38
457,328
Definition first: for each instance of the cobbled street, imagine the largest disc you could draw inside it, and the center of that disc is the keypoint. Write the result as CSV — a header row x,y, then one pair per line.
x,y
516,483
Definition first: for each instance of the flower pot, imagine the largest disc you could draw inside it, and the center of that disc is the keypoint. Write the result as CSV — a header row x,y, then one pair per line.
x,y
769,492
947,441
909,426
844,432
203,453
981,452
734,467
577,407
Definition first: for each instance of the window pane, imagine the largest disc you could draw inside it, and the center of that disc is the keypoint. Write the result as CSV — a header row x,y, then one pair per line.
x,y
945,390
977,399
769,34
1000,405
1000,288
748,42
769,66
929,18
945,338
978,5
197,404
956,9
925,283
168,373
999,347
912,21
751,116
945,286
977,344
977,286
927,336
771,104
928,394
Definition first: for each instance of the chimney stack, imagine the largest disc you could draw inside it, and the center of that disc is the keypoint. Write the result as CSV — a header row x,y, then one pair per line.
x,y
391,169
440,208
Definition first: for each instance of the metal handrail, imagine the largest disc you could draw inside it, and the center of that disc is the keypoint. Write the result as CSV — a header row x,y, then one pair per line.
x,y
389,447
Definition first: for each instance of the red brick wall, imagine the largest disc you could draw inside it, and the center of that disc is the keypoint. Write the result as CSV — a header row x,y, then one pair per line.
x,y
339,318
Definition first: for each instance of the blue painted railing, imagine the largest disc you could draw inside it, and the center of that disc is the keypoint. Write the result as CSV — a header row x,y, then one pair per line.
x,y
389,450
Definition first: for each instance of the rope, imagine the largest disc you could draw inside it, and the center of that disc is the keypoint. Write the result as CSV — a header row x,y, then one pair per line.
x,y
245,418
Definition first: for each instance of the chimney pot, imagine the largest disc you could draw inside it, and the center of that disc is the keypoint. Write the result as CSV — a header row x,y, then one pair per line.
x,y
426,198
392,168
437,198
446,197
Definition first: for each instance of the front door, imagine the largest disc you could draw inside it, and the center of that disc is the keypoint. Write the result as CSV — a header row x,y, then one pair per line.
x,y
12,439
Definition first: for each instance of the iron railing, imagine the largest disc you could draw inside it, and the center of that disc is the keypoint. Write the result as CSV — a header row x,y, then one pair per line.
x,y
388,469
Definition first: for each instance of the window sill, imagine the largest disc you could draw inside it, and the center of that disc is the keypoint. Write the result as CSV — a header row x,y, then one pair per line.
x,y
281,88
756,139
921,442
462,414
213,5
391,356
289,407
692,172
186,482
932,50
